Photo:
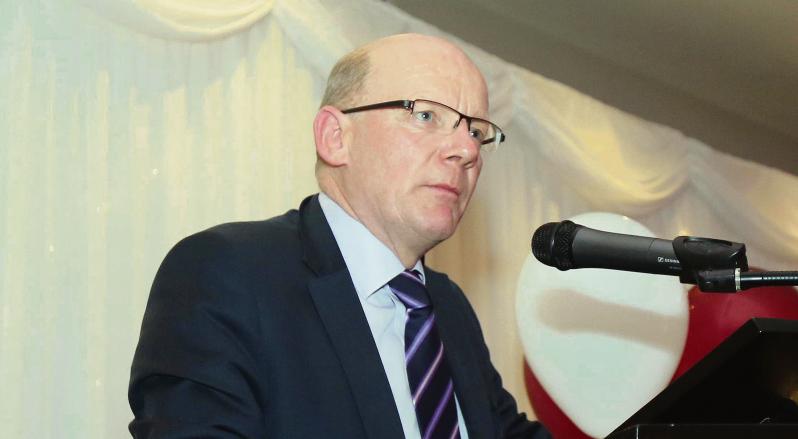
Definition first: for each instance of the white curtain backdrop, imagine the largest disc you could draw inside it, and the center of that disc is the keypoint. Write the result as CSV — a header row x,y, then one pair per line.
x,y
126,125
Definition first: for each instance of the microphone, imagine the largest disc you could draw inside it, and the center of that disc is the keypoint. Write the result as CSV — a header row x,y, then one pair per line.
x,y
714,265
566,245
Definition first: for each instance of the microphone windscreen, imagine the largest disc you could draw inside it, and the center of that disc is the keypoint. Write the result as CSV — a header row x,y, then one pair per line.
x,y
541,243
551,244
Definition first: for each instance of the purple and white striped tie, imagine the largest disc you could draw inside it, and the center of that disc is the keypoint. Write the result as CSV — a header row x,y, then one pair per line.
x,y
427,369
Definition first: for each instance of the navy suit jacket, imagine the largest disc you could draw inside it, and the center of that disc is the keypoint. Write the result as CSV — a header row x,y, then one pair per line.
x,y
254,330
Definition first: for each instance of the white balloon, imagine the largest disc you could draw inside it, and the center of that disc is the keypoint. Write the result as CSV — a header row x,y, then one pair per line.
x,y
601,342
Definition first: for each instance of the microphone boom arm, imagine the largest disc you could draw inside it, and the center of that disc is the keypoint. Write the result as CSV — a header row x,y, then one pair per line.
x,y
734,280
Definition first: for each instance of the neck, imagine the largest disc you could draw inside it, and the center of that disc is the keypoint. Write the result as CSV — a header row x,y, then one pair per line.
x,y
408,255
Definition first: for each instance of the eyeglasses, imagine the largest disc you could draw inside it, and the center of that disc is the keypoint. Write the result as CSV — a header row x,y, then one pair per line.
x,y
436,117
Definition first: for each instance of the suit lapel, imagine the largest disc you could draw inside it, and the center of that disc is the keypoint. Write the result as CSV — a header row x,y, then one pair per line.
x,y
469,384
336,302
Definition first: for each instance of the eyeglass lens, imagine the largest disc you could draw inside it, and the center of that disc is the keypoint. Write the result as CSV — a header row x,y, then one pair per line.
x,y
445,119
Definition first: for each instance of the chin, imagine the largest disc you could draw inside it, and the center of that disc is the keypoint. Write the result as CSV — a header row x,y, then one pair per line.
x,y
441,228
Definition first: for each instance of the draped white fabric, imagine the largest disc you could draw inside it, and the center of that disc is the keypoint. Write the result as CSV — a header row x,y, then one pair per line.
x,y
183,19
126,125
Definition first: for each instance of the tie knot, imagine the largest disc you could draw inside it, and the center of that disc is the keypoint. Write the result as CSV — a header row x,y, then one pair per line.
x,y
409,288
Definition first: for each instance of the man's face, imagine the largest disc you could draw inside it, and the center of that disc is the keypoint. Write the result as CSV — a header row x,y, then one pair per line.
x,y
408,185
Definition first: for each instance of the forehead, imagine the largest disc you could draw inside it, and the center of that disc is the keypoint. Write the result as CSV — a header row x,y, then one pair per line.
x,y
426,68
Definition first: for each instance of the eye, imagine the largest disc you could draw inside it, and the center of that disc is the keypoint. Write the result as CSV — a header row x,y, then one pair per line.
x,y
477,134
424,116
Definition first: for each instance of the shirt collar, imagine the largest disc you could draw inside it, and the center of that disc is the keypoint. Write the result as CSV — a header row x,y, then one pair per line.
x,y
371,263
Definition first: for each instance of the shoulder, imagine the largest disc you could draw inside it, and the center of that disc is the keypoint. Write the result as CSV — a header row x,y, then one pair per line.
x,y
246,235
226,270
440,280
240,249
450,291
241,238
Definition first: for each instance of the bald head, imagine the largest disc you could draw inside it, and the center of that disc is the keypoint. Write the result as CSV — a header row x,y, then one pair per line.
x,y
346,79
412,66
378,69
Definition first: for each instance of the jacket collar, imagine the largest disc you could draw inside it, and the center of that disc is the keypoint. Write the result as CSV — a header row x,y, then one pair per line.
x,y
320,251
340,311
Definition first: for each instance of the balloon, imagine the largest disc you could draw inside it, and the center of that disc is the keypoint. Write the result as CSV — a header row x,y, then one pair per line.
x,y
601,343
547,411
715,316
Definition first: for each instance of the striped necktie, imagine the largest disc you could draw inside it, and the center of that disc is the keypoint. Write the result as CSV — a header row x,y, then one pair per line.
x,y
427,369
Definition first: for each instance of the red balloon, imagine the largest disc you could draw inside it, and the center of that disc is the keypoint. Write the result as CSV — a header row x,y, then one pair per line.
x,y
559,425
715,316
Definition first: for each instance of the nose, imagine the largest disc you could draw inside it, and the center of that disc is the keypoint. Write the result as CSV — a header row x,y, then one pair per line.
x,y
460,146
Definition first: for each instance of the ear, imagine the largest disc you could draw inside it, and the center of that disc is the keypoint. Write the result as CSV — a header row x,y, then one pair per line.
x,y
329,131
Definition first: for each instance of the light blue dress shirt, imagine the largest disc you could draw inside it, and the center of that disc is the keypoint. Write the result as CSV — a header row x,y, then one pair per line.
x,y
372,265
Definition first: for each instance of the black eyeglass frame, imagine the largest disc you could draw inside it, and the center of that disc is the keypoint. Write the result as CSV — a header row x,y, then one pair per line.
x,y
409,104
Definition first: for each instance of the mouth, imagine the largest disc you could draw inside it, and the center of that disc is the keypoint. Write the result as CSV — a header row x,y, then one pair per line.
x,y
446,189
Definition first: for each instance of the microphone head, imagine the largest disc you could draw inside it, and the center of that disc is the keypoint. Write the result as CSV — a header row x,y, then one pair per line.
x,y
551,244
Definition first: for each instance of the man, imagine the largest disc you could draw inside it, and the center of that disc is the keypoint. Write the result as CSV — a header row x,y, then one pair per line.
x,y
323,322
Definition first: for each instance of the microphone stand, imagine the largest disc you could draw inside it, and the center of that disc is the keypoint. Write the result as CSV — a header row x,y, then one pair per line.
x,y
718,266
734,280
